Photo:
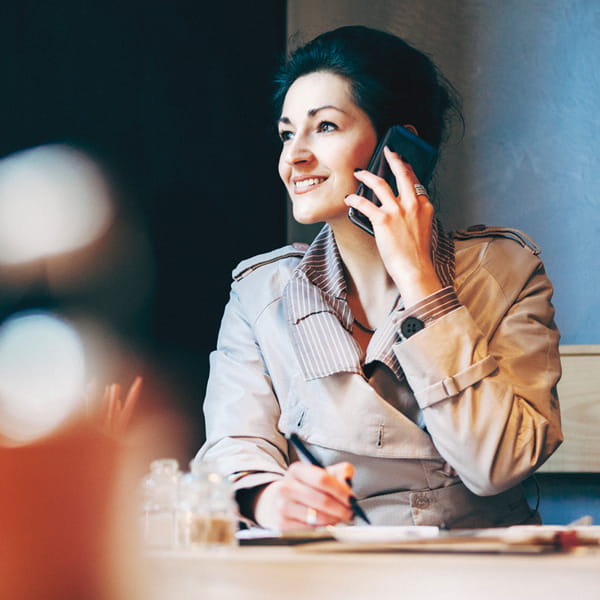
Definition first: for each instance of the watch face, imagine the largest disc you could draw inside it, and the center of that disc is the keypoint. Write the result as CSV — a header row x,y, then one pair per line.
x,y
410,326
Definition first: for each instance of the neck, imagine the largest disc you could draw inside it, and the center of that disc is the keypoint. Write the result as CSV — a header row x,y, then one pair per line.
x,y
371,290
360,256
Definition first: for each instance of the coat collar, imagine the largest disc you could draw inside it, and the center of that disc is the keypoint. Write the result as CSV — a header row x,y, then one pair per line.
x,y
320,319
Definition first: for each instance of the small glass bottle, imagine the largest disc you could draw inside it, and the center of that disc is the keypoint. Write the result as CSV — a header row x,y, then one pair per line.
x,y
207,509
159,504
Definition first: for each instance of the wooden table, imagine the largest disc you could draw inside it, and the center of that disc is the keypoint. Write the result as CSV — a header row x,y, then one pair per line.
x,y
297,572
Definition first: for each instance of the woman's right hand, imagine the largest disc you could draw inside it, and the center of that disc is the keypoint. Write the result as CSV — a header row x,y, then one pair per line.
x,y
307,496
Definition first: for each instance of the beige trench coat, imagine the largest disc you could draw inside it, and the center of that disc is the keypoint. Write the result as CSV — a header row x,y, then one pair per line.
x,y
483,375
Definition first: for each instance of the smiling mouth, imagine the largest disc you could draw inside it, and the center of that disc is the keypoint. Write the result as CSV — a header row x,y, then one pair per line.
x,y
305,184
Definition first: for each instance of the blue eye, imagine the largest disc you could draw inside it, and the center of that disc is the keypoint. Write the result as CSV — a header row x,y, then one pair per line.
x,y
327,126
285,135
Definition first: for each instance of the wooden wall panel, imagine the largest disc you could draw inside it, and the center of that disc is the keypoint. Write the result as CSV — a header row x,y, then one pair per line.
x,y
579,394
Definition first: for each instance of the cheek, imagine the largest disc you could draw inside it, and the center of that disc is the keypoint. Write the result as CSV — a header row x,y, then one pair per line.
x,y
283,169
359,159
365,152
360,155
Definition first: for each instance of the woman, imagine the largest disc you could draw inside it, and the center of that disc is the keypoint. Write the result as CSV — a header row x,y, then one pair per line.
x,y
420,367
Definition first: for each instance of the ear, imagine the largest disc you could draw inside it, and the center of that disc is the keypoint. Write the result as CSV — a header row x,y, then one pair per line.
x,y
411,128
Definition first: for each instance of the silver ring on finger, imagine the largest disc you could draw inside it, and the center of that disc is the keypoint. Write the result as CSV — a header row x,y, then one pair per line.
x,y
421,190
311,516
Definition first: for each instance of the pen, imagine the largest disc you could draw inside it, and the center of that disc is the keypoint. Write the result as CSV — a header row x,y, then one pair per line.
x,y
304,451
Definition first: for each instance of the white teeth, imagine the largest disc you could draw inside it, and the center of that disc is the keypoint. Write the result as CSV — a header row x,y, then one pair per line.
x,y
308,182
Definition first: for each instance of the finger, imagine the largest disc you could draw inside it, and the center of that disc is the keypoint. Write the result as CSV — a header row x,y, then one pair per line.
x,y
316,488
421,190
366,207
292,515
380,216
399,166
274,510
313,516
321,480
405,178
297,515
380,187
130,402
413,195
285,504
342,471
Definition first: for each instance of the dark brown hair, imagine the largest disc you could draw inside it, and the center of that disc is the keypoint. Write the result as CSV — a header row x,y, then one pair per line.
x,y
392,82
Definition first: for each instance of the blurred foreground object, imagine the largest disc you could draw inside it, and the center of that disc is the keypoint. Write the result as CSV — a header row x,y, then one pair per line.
x,y
42,374
207,514
63,532
70,241
69,511
187,511
115,413
44,362
70,478
159,504
53,199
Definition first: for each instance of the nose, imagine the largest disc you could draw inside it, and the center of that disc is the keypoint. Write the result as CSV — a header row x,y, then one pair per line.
x,y
297,150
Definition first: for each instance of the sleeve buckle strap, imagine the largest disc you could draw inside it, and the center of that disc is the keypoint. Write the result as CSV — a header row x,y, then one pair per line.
x,y
453,385
450,386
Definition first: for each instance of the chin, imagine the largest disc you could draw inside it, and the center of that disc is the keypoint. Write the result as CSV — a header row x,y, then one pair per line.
x,y
305,217
311,217
307,220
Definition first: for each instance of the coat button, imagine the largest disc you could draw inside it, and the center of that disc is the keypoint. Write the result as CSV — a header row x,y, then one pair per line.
x,y
420,501
410,326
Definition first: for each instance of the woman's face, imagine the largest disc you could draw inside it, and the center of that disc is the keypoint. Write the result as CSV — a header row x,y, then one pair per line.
x,y
325,136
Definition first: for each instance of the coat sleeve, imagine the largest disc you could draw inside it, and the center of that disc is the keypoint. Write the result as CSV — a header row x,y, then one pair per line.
x,y
241,408
487,385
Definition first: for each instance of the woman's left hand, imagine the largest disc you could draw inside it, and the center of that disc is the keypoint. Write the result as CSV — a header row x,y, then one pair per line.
x,y
402,226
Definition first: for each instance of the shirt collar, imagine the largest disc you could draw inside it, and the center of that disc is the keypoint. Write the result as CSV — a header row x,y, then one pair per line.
x,y
315,301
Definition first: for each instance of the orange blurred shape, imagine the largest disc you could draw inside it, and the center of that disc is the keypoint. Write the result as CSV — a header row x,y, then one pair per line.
x,y
56,516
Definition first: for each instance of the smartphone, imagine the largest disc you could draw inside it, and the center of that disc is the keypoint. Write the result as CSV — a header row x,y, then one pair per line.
x,y
417,152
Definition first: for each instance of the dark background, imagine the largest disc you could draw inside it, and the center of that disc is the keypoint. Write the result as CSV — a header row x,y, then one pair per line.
x,y
173,97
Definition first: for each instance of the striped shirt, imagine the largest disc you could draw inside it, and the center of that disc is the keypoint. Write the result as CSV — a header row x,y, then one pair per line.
x,y
321,321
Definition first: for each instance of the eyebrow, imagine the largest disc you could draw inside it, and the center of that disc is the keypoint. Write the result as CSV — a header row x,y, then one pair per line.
x,y
312,112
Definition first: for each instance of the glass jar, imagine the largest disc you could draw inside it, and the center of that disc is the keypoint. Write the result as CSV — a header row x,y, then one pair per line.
x,y
159,504
207,509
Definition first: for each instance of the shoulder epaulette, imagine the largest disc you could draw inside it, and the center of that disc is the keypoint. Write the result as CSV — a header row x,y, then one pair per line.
x,y
296,250
481,231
